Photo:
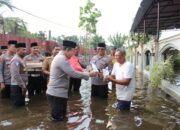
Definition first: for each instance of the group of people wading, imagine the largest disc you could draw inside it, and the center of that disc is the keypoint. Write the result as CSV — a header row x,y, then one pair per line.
x,y
64,70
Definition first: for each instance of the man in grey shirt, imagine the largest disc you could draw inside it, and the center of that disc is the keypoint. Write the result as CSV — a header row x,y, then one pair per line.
x,y
19,77
5,76
57,88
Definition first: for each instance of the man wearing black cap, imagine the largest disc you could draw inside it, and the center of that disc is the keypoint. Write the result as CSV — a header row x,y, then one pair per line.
x,y
57,88
3,49
47,63
19,76
35,77
101,61
5,76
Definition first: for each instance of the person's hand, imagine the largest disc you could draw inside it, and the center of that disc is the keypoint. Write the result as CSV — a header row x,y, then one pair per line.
x,y
24,91
2,86
100,75
109,78
106,79
93,74
90,69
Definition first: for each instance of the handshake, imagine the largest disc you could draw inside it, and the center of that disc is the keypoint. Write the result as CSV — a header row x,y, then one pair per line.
x,y
93,74
104,74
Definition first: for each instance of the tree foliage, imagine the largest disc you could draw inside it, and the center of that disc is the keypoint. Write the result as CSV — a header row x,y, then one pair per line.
x,y
94,40
72,38
60,39
6,3
118,39
15,26
162,71
139,38
88,17
40,35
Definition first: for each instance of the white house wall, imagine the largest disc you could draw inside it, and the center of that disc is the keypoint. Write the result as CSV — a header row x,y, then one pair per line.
x,y
173,41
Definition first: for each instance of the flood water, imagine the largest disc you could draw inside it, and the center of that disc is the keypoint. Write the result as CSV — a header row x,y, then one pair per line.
x,y
151,110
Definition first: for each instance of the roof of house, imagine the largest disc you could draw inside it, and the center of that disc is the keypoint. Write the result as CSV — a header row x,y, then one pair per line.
x,y
169,16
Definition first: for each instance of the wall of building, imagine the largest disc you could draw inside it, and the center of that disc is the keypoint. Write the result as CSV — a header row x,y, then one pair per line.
x,y
140,57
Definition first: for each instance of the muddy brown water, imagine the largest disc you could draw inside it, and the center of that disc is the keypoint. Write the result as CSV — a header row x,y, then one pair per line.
x,y
151,110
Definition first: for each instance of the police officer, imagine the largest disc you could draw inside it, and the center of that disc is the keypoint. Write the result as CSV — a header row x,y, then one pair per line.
x,y
19,77
46,65
57,89
101,61
35,77
4,49
5,76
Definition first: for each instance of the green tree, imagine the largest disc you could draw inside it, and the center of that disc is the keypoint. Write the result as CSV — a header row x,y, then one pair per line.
x,y
161,71
6,3
94,40
60,38
40,35
88,17
118,39
72,38
140,38
15,26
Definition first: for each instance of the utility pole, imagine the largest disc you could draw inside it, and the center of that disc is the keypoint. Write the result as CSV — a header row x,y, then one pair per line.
x,y
49,35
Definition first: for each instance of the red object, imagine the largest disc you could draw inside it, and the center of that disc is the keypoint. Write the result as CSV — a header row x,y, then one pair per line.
x,y
45,45
75,64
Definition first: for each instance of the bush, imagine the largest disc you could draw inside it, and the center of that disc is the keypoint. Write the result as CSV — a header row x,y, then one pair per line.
x,y
161,71
155,75
177,61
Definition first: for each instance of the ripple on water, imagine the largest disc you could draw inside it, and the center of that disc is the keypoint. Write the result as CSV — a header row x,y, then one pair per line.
x,y
5,123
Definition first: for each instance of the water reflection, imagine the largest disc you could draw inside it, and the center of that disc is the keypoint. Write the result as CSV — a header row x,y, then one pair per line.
x,y
151,109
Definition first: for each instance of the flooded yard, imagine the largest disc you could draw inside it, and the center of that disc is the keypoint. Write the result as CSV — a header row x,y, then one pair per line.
x,y
151,110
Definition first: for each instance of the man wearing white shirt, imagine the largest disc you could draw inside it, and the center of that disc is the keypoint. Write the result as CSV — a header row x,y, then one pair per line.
x,y
123,76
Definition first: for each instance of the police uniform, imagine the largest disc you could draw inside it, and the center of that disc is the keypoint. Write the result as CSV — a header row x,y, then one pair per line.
x,y
19,78
99,87
5,76
3,49
35,80
57,90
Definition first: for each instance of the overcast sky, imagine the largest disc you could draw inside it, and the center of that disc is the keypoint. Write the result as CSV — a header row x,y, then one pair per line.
x,y
117,15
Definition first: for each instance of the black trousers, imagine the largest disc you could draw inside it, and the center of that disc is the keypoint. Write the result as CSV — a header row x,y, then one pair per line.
x,y
45,80
16,95
99,91
75,84
5,93
34,85
124,105
58,107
